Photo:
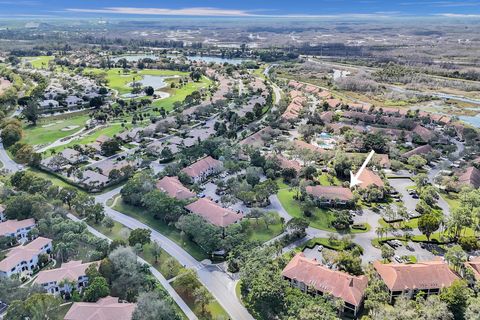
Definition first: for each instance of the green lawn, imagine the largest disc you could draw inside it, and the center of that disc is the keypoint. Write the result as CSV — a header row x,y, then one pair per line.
x,y
336,245
452,199
49,129
168,266
109,131
180,93
321,217
169,231
323,179
118,80
259,231
212,311
52,178
40,62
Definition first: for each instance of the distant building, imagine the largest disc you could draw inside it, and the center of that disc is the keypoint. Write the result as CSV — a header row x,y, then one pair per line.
x,y
203,168
422,150
174,188
18,229
25,258
213,213
474,266
108,308
310,276
429,277
53,281
288,164
329,195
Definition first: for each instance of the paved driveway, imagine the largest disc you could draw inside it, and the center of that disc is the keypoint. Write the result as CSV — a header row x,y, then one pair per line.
x,y
401,185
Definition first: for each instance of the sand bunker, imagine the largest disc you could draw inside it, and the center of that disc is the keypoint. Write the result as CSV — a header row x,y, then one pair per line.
x,y
70,128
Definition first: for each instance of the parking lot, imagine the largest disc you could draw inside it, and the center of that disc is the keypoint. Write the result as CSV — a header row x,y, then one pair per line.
x,y
401,185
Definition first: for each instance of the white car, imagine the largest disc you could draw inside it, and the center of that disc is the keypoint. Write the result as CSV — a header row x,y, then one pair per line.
x,y
320,248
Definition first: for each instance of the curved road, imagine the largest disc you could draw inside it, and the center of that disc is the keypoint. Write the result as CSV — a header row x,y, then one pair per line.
x,y
220,284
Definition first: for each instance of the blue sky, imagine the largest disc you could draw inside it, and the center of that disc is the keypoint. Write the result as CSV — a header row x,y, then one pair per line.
x,y
238,8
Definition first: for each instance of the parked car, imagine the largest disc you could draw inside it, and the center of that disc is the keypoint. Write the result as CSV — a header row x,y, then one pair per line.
x,y
410,248
320,248
398,259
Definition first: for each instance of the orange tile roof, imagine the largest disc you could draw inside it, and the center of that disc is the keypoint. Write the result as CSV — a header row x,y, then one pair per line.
x,y
368,177
330,192
474,265
470,177
68,271
304,145
424,133
213,213
201,166
339,284
433,274
107,308
418,151
174,188
286,163
11,226
23,253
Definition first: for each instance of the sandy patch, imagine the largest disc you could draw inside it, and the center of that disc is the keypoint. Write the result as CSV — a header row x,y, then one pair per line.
x,y
70,128
48,125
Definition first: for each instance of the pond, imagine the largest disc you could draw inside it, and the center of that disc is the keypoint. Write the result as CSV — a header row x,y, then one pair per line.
x,y
134,57
208,59
471,120
156,82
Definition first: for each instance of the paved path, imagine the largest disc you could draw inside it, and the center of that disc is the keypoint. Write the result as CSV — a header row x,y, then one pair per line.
x,y
8,163
220,284
188,312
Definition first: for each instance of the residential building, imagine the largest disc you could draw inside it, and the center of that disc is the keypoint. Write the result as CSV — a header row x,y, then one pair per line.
x,y
203,168
174,188
288,164
423,133
310,276
108,308
329,195
429,277
422,150
62,280
213,213
471,177
19,229
474,266
25,258
367,178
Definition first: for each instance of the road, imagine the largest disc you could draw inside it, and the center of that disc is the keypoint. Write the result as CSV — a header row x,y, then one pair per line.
x,y
188,312
8,164
220,284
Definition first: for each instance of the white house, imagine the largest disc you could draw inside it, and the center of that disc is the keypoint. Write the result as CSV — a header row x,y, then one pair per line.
x,y
62,280
18,229
73,101
49,104
24,259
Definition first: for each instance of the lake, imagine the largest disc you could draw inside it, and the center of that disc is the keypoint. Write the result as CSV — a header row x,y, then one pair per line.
x,y
471,120
134,57
156,82
208,59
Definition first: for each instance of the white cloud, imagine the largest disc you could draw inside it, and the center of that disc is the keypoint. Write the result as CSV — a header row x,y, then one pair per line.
x,y
458,15
200,11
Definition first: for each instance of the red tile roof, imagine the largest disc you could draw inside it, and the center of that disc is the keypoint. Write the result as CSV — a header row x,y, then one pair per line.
x,y
286,163
174,188
330,193
107,308
470,177
339,284
23,253
418,151
305,145
11,226
368,177
70,271
424,133
474,265
198,168
213,213
424,275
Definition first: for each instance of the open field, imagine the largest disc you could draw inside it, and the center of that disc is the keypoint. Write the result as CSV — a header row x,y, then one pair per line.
x,y
49,129
260,232
40,62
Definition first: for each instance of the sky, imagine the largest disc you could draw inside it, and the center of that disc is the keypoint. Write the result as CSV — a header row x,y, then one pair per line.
x,y
238,8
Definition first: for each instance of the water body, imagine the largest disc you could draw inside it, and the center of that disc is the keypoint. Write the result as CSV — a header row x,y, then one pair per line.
x,y
156,82
207,59
134,57
471,120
